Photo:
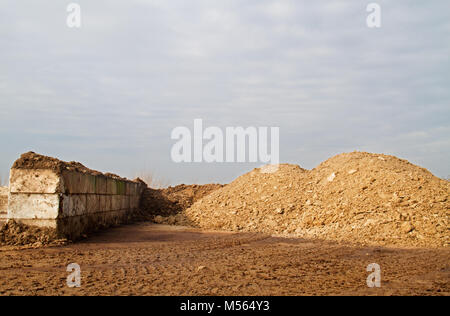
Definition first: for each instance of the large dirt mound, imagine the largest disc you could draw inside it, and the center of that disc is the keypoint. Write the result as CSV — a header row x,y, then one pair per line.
x,y
357,197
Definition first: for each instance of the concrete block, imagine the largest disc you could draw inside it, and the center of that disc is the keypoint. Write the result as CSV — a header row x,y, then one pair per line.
x,y
84,185
105,203
128,188
111,186
71,181
134,202
131,188
73,205
91,184
140,188
41,181
116,202
93,203
33,206
135,188
102,202
125,202
74,202
121,187
75,182
101,187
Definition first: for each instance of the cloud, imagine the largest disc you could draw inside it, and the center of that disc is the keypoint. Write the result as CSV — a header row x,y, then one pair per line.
x,y
111,92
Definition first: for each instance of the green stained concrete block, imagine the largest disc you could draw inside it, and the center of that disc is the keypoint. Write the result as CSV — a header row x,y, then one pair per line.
x,y
121,188
91,183
111,186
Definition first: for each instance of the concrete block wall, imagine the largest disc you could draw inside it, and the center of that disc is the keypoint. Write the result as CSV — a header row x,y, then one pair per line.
x,y
71,200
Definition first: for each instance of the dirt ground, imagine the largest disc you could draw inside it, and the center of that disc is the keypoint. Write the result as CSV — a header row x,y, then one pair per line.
x,y
151,259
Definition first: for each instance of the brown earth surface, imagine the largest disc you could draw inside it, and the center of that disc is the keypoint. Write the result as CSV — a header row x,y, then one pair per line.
x,y
150,259
359,202
16,234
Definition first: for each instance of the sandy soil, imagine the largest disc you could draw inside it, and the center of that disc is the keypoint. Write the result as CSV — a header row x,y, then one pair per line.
x,y
151,259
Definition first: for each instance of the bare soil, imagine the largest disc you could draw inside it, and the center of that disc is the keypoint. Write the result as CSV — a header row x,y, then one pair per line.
x,y
16,234
151,259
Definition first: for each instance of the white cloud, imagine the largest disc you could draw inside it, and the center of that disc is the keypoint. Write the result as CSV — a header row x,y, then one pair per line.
x,y
137,69
279,9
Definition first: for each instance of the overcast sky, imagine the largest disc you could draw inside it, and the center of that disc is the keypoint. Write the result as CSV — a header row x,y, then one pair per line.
x,y
109,93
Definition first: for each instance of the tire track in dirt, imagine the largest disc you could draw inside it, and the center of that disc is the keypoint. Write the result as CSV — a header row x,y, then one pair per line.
x,y
137,260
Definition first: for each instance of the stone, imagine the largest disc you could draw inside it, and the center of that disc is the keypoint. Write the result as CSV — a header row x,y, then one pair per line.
x,y
331,177
407,227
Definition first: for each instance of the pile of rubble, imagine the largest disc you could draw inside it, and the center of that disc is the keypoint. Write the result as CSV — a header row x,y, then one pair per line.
x,y
16,234
161,205
356,197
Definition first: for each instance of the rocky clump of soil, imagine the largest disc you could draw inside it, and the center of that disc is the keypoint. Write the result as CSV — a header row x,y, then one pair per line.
x,y
372,199
163,205
16,234
31,160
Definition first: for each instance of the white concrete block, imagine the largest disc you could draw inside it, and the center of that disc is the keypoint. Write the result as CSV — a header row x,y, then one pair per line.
x,y
35,181
33,206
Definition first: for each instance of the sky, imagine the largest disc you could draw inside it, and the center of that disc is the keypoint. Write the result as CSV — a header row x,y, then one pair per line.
x,y
110,93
